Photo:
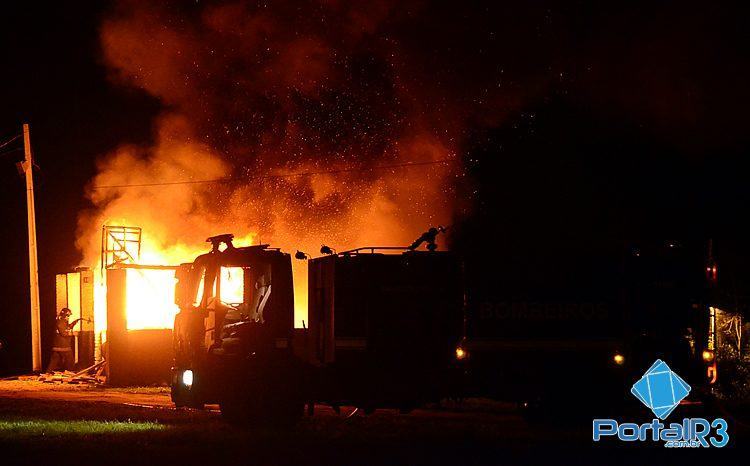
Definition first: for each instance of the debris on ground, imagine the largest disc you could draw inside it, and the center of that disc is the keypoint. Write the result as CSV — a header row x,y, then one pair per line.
x,y
90,375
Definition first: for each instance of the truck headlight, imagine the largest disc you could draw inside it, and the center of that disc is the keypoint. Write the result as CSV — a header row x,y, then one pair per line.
x,y
461,353
187,378
619,359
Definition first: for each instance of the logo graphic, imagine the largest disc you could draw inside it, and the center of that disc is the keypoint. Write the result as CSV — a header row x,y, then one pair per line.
x,y
660,389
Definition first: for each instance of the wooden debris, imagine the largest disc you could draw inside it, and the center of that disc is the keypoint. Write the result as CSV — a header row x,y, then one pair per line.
x,y
90,375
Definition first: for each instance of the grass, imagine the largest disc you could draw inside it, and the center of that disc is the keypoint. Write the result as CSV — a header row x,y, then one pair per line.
x,y
79,432
36,431
15,429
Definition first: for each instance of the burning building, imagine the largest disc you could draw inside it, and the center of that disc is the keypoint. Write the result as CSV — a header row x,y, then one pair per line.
x,y
140,312
131,305
301,127
298,138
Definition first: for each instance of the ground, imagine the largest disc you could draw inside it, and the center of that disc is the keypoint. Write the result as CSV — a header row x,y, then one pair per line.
x,y
64,424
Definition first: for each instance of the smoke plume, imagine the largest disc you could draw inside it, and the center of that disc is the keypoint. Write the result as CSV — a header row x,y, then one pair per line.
x,y
297,107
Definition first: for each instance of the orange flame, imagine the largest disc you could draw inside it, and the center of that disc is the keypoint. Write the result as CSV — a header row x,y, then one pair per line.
x,y
149,299
150,293
251,102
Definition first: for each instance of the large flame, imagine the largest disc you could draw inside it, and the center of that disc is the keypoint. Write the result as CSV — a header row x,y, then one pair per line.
x,y
296,116
149,299
149,296
150,292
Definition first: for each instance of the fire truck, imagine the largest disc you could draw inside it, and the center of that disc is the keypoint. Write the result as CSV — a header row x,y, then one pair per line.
x,y
564,328
384,329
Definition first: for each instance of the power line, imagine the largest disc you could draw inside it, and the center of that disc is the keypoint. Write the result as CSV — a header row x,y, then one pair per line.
x,y
17,136
288,175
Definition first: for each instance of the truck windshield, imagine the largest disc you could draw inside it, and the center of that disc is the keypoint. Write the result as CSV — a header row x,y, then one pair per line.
x,y
232,286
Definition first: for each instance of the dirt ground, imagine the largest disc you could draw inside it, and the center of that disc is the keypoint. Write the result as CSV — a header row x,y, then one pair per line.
x,y
28,389
69,424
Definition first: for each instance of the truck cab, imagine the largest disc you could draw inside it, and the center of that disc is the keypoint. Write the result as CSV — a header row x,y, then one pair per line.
x,y
236,315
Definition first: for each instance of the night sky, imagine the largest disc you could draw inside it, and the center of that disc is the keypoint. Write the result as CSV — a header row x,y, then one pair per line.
x,y
576,123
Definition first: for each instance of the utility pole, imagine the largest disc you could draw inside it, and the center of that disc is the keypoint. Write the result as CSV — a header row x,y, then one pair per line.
x,y
28,167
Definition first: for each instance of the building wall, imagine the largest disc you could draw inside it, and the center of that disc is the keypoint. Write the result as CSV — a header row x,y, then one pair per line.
x,y
134,357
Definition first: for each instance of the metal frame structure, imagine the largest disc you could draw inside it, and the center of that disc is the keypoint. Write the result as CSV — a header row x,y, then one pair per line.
x,y
117,244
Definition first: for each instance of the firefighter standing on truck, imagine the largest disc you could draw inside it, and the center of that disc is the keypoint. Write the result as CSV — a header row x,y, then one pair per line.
x,y
62,348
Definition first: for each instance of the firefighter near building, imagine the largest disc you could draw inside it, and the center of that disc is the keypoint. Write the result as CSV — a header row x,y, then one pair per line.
x,y
384,329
